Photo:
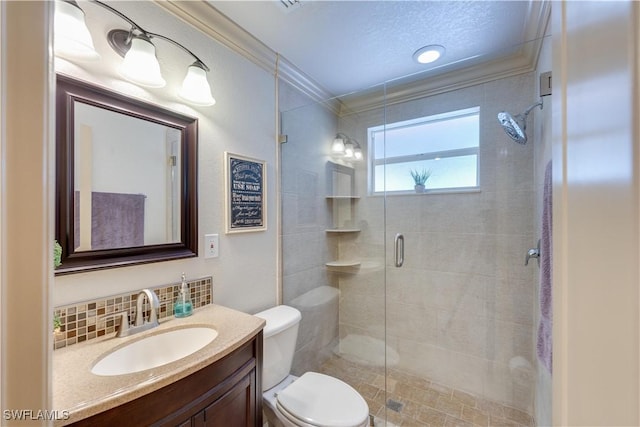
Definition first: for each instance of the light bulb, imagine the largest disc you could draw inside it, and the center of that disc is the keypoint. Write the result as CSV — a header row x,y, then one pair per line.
x,y
195,87
428,54
348,150
140,64
72,38
338,145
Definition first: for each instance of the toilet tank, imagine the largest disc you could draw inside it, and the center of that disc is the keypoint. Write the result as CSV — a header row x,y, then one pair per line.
x,y
280,335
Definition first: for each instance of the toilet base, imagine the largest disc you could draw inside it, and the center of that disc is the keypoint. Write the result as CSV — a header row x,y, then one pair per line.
x,y
271,418
269,408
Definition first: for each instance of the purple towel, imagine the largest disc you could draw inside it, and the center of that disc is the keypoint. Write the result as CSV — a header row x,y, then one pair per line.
x,y
544,344
117,220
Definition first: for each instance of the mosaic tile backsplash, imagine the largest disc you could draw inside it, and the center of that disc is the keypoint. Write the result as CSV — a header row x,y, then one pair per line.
x,y
89,319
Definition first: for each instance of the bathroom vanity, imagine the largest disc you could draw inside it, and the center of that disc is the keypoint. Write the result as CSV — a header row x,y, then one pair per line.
x,y
218,385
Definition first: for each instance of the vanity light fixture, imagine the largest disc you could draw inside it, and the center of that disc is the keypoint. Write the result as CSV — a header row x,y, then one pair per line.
x,y
428,54
135,45
72,39
346,147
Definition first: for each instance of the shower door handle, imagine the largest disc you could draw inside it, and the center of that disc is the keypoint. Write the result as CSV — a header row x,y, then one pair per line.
x,y
399,250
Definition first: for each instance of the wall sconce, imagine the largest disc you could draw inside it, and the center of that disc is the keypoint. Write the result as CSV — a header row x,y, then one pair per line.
x,y
140,65
346,147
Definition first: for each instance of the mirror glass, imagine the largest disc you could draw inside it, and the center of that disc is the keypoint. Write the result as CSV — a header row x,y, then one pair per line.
x,y
126,180
340,180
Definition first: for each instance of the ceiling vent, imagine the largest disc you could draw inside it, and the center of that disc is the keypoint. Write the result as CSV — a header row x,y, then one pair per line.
x,y
289,5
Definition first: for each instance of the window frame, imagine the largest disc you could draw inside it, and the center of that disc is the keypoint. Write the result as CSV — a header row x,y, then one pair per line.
x,y
372,162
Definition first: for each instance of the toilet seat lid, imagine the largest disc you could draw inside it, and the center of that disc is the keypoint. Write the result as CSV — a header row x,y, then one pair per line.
x,y
324,401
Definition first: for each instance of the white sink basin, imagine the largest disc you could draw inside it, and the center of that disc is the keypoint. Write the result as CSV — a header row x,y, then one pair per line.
x,y
154,350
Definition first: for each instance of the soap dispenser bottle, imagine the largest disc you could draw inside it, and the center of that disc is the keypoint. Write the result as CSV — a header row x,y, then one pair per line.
x,y
183,307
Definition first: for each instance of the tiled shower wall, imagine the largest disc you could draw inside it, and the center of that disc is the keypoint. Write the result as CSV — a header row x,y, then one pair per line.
x,y
460,310
90,319
309,127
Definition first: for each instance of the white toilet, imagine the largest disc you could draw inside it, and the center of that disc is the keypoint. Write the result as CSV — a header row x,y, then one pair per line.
x,y
313,399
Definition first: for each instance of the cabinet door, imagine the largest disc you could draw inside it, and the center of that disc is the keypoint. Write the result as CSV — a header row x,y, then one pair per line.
x,y
236,408
197,420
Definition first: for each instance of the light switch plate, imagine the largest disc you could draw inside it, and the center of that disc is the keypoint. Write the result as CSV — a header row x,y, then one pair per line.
x,y
211,246
545,83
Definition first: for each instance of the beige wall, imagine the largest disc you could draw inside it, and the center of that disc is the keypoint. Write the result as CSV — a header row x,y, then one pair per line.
x,y
27,200
596,242
242,122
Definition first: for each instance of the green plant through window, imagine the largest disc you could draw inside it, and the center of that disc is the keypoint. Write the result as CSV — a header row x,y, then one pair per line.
x,y
420,177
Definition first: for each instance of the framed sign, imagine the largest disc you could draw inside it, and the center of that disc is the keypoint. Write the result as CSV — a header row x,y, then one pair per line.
x,y
245,180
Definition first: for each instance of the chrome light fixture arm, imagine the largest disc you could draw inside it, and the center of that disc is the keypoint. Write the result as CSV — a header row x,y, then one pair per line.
x,y
118,47
346,146
198,61
347,139
120,14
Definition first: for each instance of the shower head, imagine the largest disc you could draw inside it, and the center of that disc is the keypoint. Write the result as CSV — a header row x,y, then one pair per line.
x,y
516,127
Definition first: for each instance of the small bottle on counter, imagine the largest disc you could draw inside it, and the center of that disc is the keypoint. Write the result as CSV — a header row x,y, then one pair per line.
x,y
182,306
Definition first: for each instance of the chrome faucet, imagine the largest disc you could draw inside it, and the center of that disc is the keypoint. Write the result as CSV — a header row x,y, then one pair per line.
x,y
154,304
140,324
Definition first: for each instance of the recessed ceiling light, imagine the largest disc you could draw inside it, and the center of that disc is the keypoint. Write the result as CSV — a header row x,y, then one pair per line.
x,y
428,54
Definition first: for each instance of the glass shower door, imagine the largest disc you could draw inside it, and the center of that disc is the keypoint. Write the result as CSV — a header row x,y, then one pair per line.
x,y
459,310
333,242
418,298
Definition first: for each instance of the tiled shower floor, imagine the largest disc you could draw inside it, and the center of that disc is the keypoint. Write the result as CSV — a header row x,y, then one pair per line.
x,y
413,401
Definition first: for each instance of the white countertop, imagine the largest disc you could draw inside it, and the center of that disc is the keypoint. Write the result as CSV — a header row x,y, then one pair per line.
x,y
83,394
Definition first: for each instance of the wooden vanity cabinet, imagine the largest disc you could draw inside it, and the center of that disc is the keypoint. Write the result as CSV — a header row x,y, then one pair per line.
x,y
227,393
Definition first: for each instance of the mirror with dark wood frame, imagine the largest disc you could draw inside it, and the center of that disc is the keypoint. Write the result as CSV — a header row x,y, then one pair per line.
x,y
126,180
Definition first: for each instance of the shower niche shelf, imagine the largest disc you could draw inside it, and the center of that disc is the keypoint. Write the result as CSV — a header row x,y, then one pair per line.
x,y
341,200
342,230
344,266
343,197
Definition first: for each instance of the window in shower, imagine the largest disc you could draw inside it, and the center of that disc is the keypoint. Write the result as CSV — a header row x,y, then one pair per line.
x,y
445,144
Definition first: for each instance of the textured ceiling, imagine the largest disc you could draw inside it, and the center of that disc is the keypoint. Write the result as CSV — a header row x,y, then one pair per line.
x,y
347,46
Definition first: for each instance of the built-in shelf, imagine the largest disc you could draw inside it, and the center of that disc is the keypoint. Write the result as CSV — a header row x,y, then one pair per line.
x,y
343,197
343,264
343,203
342,230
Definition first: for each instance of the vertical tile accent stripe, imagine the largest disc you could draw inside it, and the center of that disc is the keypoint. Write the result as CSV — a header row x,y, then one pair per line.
x,y
88,319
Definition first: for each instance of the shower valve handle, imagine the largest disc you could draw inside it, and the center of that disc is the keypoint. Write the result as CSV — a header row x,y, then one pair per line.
x,y
533,253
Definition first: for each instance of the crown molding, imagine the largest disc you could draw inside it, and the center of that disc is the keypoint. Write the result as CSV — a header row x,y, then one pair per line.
x,y
206,18
397,93
299,80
